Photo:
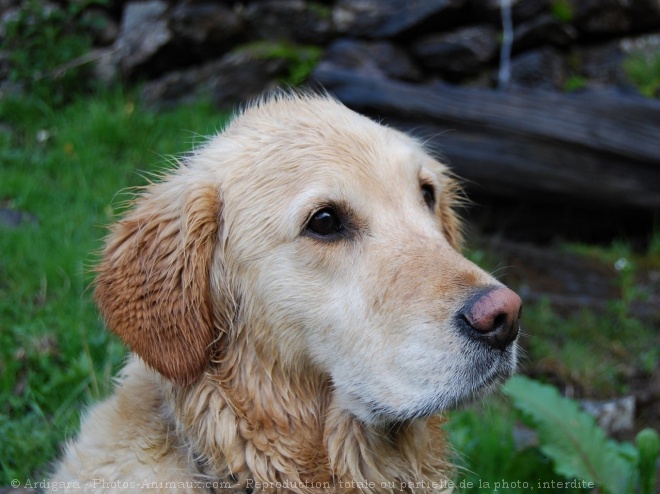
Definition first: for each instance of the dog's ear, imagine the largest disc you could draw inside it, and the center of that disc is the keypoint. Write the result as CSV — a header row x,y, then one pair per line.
x,y
153,281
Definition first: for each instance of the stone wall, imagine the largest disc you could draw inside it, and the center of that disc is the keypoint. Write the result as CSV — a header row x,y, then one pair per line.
x,y
234,50
565,68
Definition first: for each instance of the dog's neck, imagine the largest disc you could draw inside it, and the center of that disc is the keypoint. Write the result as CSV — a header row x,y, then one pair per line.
x,y
252,422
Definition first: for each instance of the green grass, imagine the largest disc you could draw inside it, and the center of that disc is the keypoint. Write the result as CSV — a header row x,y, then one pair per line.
x,y
562,10
595,353
66,168
41,42
643,70
600,351
575,83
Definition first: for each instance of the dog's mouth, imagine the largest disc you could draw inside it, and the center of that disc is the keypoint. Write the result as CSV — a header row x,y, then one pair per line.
x,y
488,371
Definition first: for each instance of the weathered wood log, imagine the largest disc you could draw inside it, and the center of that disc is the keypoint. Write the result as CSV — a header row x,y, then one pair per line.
x,y
592,146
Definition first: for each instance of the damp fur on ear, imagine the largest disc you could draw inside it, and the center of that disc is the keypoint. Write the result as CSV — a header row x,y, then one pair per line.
x,y
153,282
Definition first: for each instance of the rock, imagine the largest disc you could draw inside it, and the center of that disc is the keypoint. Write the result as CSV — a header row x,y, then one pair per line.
x,y
204,23
105,65
526,9
613,17
602,64
645,14
525,437
602,16
6,5
613,416
459,53
235,78
390,18
155,38
293,20
10,218
647,45
521,10
542,30
144,32
539,69
102,26
378,59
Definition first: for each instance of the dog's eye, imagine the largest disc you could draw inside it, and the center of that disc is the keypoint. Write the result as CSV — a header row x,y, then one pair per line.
x,y
325,222
428,194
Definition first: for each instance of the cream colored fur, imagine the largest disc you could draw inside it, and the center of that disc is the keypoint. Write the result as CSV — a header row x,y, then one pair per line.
x,y
272,358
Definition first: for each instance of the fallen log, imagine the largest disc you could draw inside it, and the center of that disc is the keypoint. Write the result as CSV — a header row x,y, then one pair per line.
x,y
592,147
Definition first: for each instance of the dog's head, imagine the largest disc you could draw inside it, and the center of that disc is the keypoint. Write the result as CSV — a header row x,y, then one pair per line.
x,y
331,241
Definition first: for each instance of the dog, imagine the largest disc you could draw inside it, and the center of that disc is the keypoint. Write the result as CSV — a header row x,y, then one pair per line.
x,y
298,312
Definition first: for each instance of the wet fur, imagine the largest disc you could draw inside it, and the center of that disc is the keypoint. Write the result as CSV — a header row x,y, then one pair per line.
x,y
261,353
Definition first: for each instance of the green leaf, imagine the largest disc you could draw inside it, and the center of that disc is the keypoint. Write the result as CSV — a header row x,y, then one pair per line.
x,y
571,438
648,444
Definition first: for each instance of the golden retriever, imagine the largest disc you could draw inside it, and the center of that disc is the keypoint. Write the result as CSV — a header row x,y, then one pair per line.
x,y
299,316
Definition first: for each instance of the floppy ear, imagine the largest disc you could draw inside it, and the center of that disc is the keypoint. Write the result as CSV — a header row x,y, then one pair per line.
x,y
153,281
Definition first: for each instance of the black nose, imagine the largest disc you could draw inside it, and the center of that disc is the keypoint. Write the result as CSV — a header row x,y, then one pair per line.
x,y
493,315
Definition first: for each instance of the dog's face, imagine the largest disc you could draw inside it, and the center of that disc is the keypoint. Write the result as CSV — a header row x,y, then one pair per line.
x,y
334,239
